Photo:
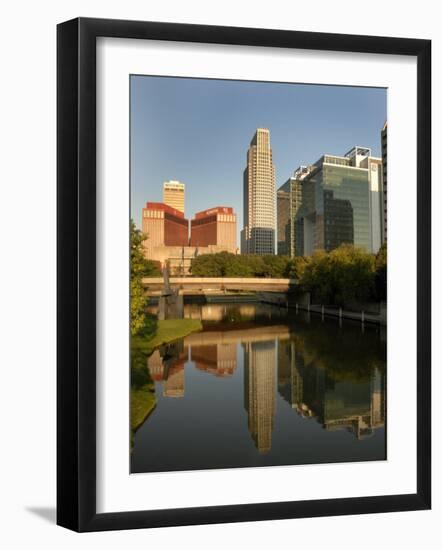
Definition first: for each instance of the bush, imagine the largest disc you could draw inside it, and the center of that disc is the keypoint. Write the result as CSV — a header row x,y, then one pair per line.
x,y
345,275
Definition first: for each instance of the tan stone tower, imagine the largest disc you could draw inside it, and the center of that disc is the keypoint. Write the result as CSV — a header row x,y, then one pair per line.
x,y
173,194
258,235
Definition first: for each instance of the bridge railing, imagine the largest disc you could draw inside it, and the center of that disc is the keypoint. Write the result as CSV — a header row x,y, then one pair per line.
x,y
220,281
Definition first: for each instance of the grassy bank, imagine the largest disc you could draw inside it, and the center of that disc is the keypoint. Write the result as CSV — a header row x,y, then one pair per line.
x,y
165,332
142,403
155,333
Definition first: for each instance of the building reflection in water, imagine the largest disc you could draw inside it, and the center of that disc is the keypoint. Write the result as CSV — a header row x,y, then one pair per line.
x,y
260,391
218,359
166,365
275,360
336,401
226,313
205,312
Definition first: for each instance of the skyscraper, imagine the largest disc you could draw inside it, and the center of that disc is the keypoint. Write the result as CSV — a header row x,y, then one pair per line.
x,y
283,221
258,234
341,203
288,202
173,194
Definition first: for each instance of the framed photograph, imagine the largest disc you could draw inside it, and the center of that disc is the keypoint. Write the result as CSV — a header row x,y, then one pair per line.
x,y
230,346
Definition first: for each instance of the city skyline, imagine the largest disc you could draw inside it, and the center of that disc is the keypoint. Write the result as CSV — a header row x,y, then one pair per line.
x,y
255,359
337,200
197,131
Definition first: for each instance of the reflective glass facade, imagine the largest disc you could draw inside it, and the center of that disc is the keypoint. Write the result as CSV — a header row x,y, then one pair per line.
x,y
335,207
289,201
283,222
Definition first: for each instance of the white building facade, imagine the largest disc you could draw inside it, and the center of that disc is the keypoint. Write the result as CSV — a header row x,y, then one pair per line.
x,y
258,234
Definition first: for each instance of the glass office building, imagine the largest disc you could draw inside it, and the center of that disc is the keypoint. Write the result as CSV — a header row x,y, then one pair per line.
x,y
283,222
341,203
288,204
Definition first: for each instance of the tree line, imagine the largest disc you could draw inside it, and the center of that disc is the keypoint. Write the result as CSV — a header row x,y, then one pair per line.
x,y
346,274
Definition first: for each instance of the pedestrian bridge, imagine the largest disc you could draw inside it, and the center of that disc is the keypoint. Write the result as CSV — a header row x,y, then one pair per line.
x,y
206,285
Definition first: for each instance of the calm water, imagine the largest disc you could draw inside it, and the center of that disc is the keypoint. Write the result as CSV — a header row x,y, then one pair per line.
x,y
259,387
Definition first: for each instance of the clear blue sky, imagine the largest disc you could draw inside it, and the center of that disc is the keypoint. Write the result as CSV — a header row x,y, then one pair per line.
x,y
198,131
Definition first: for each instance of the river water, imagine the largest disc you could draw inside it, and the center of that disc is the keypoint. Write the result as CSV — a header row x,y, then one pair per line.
x,y
262,386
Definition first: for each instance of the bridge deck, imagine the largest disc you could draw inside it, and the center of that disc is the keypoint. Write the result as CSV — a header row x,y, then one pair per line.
x,y
207,284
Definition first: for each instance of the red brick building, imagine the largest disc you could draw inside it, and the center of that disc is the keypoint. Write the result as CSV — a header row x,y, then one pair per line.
x,y
215,226
164,225
167,231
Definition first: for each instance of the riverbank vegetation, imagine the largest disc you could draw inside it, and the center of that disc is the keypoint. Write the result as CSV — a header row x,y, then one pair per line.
x,y
138,299
157,333
147,332
345,275
139,268
142,388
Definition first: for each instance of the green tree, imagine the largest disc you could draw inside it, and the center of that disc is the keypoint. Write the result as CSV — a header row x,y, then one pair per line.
x,y
225,264
208,265
138,299
275,266
345,275
238,266
381,273
295,267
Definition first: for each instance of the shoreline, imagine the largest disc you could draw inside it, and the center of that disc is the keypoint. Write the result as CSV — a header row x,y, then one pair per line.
x,y
167,331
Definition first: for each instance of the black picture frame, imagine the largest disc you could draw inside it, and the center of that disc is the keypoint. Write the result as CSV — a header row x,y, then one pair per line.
x,y
76,273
